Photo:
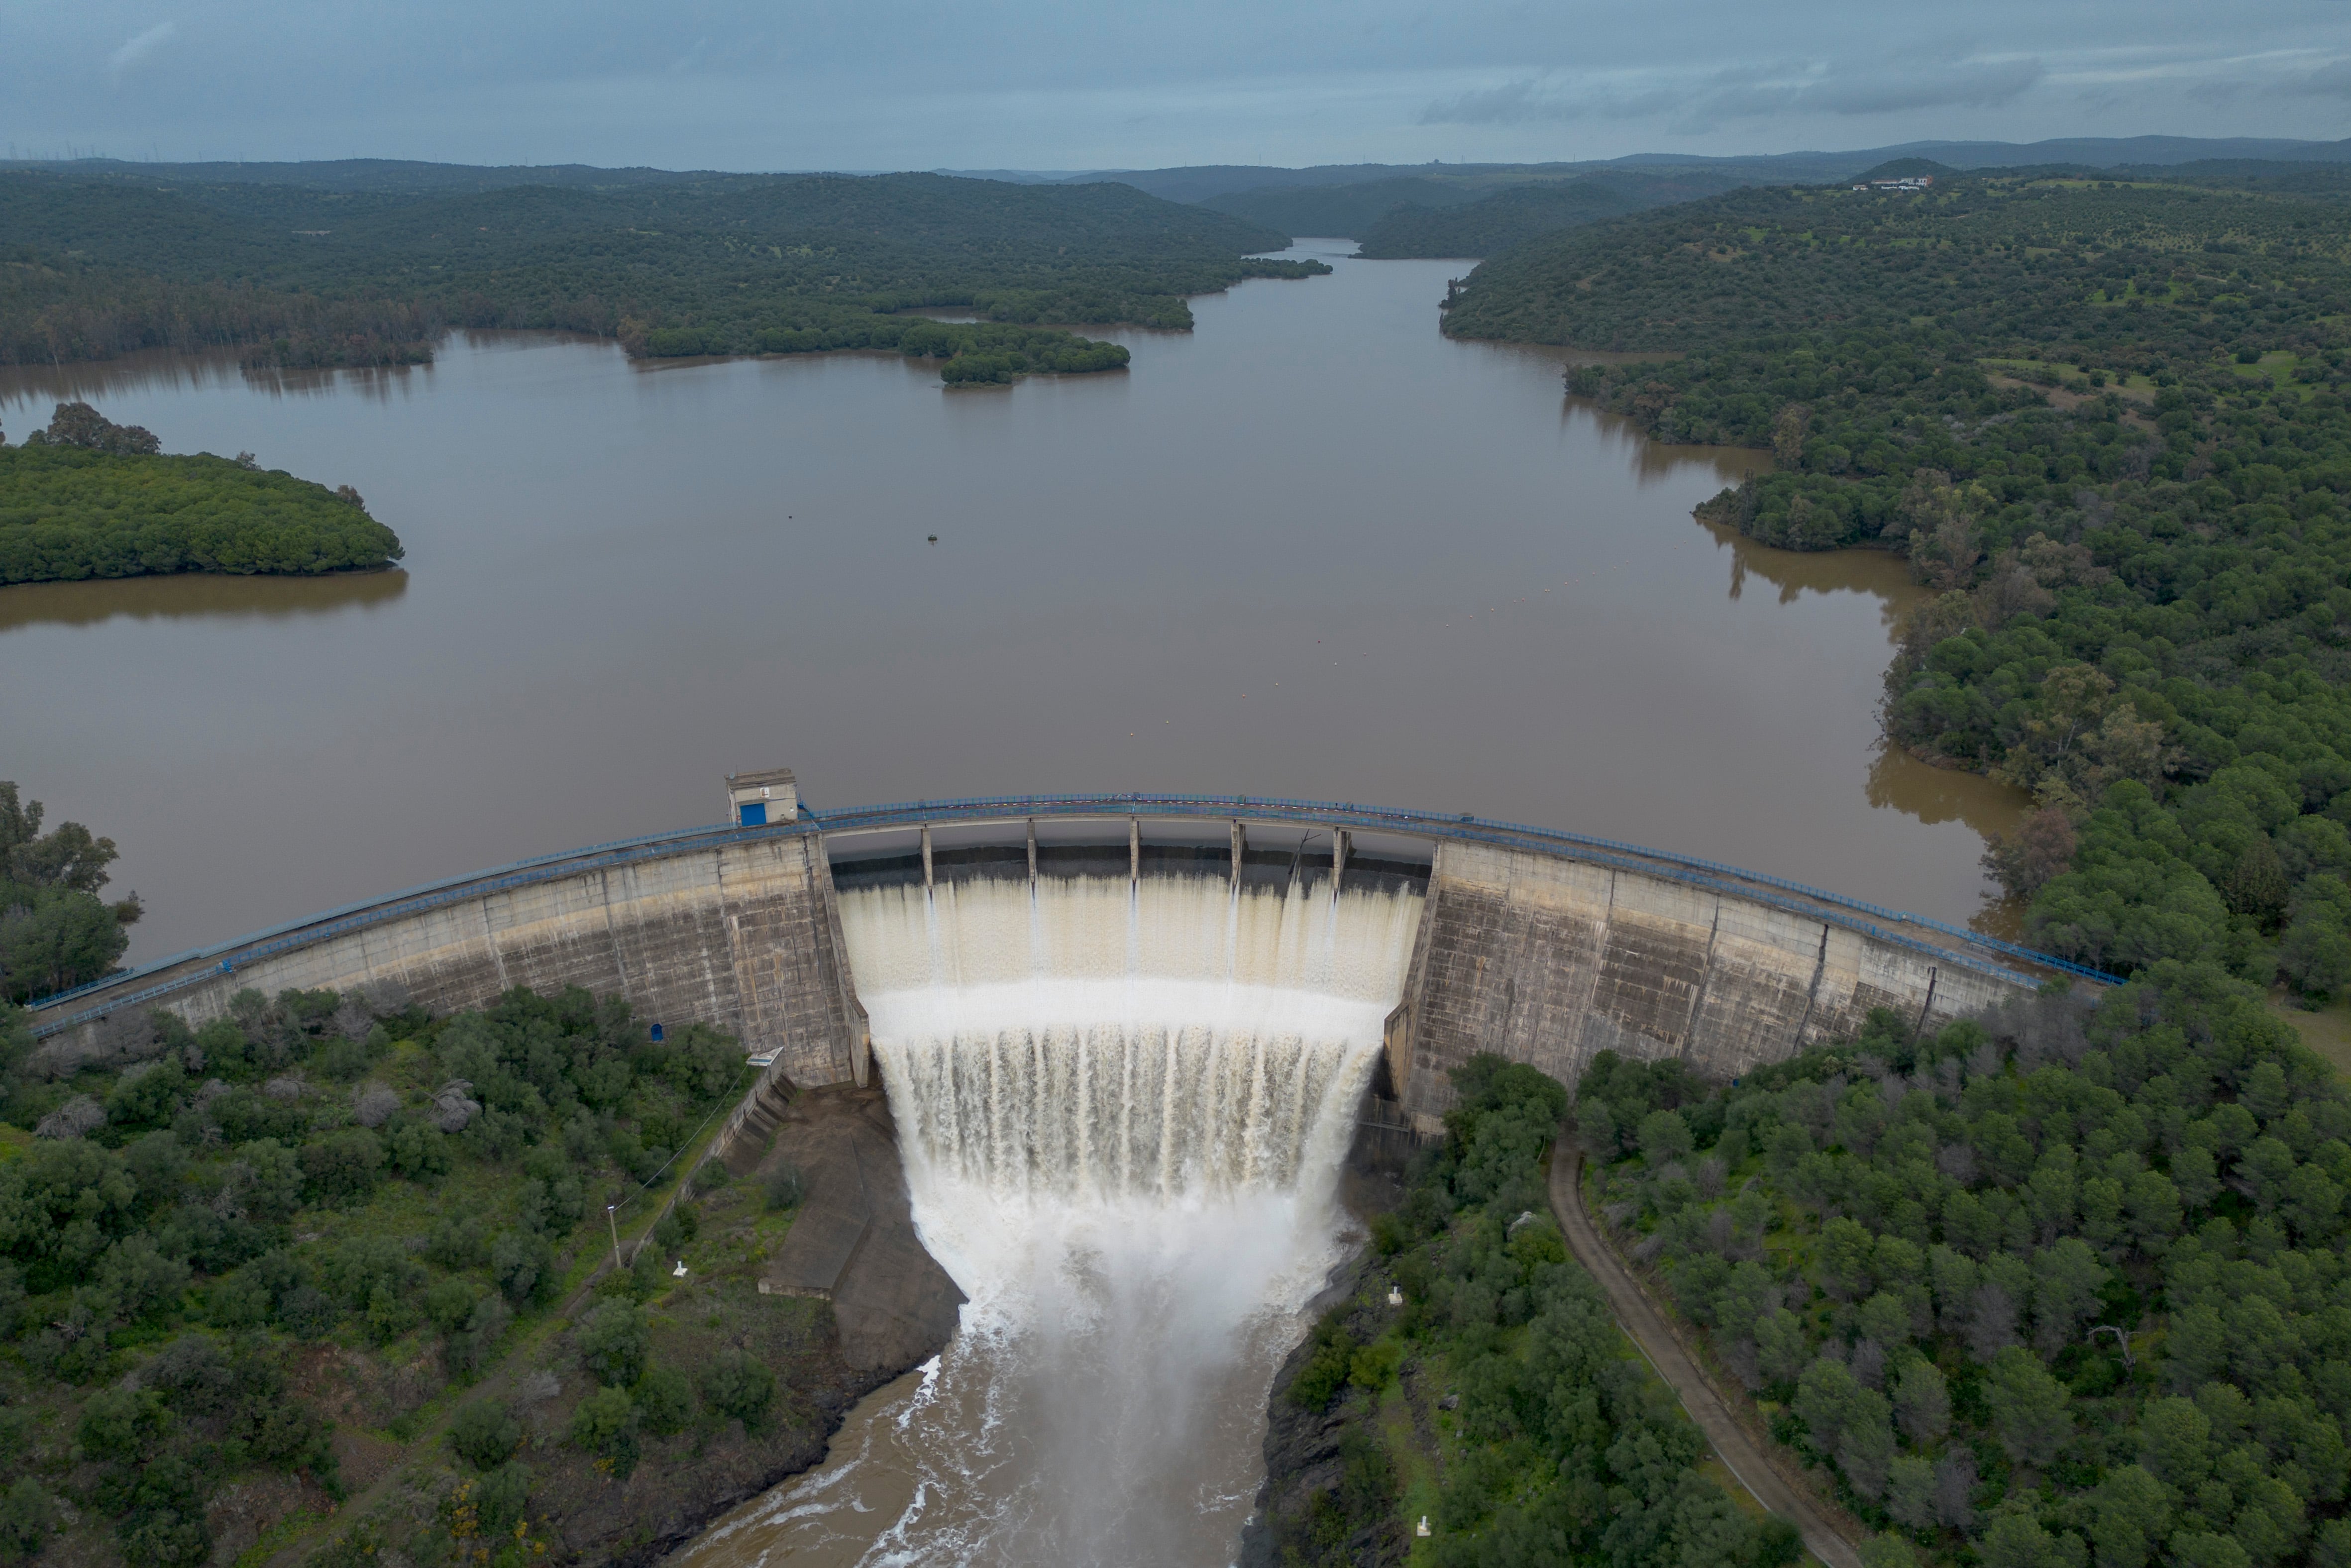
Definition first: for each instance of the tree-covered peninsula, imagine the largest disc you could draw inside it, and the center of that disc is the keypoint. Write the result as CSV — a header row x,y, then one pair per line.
x,y
89,499
297,275
2065,1283
2106,419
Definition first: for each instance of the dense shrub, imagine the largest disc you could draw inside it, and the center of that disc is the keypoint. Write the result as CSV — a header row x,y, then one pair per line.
x,y
485,1434
739,1385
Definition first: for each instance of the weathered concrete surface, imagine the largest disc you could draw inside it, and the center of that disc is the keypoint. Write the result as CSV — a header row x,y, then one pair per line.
x,y
1698,1396
853,1243
742,934
1550,960
1535,953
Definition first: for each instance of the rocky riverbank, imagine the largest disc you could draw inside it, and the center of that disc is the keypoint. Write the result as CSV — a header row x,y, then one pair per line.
x,y
1303,1456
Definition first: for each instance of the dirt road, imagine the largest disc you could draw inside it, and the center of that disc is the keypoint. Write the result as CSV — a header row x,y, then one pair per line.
x,y
1649,1335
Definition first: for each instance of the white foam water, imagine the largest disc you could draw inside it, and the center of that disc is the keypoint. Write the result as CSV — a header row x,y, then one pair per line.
x,y
1124,1108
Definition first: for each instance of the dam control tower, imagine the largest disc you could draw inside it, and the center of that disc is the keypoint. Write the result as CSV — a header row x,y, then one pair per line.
x,y
756,800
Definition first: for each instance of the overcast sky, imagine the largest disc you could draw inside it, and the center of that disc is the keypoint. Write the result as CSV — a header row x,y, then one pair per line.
x,y
1059,84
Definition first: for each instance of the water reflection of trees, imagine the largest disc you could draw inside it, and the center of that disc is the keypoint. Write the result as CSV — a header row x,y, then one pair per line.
x,y
1652,461
1798,573
196,595
35,388
1900,782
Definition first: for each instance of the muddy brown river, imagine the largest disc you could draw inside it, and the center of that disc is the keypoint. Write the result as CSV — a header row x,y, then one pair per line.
x,y
1310,548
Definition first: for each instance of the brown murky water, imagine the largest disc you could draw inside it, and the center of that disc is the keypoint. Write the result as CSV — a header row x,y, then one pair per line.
x,y
1312,548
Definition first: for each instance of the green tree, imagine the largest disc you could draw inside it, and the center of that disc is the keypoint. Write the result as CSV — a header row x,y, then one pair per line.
x,y
612,1343
484,1434
1665,1136
2130,1515
1923,1401
2029,1409
664,1400
604,1422
739,1385
27,1517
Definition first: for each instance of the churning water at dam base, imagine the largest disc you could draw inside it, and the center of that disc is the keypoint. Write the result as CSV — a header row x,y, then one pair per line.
x,y
1124,1108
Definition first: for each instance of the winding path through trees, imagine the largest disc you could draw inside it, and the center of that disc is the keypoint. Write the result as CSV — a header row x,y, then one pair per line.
x,y
1649,1333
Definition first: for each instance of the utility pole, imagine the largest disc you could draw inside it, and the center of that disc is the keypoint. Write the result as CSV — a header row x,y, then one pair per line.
x,y
614,1225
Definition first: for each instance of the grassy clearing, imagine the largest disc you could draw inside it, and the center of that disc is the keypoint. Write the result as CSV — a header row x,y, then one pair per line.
x,y
2326,1031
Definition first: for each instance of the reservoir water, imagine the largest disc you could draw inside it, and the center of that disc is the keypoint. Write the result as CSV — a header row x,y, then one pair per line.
x,y
1310,549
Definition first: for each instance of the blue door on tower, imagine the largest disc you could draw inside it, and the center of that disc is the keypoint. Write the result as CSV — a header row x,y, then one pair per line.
x,y
755,813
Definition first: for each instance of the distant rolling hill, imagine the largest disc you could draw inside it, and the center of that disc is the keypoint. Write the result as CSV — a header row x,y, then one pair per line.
x,y
1486,227
1351,210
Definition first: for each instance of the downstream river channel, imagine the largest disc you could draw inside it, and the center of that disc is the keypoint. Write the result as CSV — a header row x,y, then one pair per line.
x,y
1310,549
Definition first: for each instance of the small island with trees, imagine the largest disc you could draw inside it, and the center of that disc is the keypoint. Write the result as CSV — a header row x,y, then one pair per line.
x,y
89,499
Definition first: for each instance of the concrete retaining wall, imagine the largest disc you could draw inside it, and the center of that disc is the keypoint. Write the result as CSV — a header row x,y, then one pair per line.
x,y
1550,960
1546,955
739,934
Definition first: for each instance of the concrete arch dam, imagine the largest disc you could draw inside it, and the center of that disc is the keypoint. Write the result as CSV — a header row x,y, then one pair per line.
x,y
1449,934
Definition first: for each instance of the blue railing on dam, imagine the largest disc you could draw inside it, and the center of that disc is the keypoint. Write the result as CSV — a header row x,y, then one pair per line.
x,y
152,981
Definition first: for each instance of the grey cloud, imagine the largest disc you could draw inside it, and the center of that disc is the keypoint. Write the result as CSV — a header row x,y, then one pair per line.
x,y
1512,103
2332,80
1976,86
1751,92
1527,102
139,47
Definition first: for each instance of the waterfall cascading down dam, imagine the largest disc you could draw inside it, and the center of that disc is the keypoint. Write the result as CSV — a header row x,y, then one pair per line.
x,y
1124,1106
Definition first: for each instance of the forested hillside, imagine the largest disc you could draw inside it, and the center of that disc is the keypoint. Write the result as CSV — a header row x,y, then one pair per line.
x,y
729,264
2069,1288
89,499
1496,223
318,1265
2144,270
2106,420
1471,212
1497,1401
1347,210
